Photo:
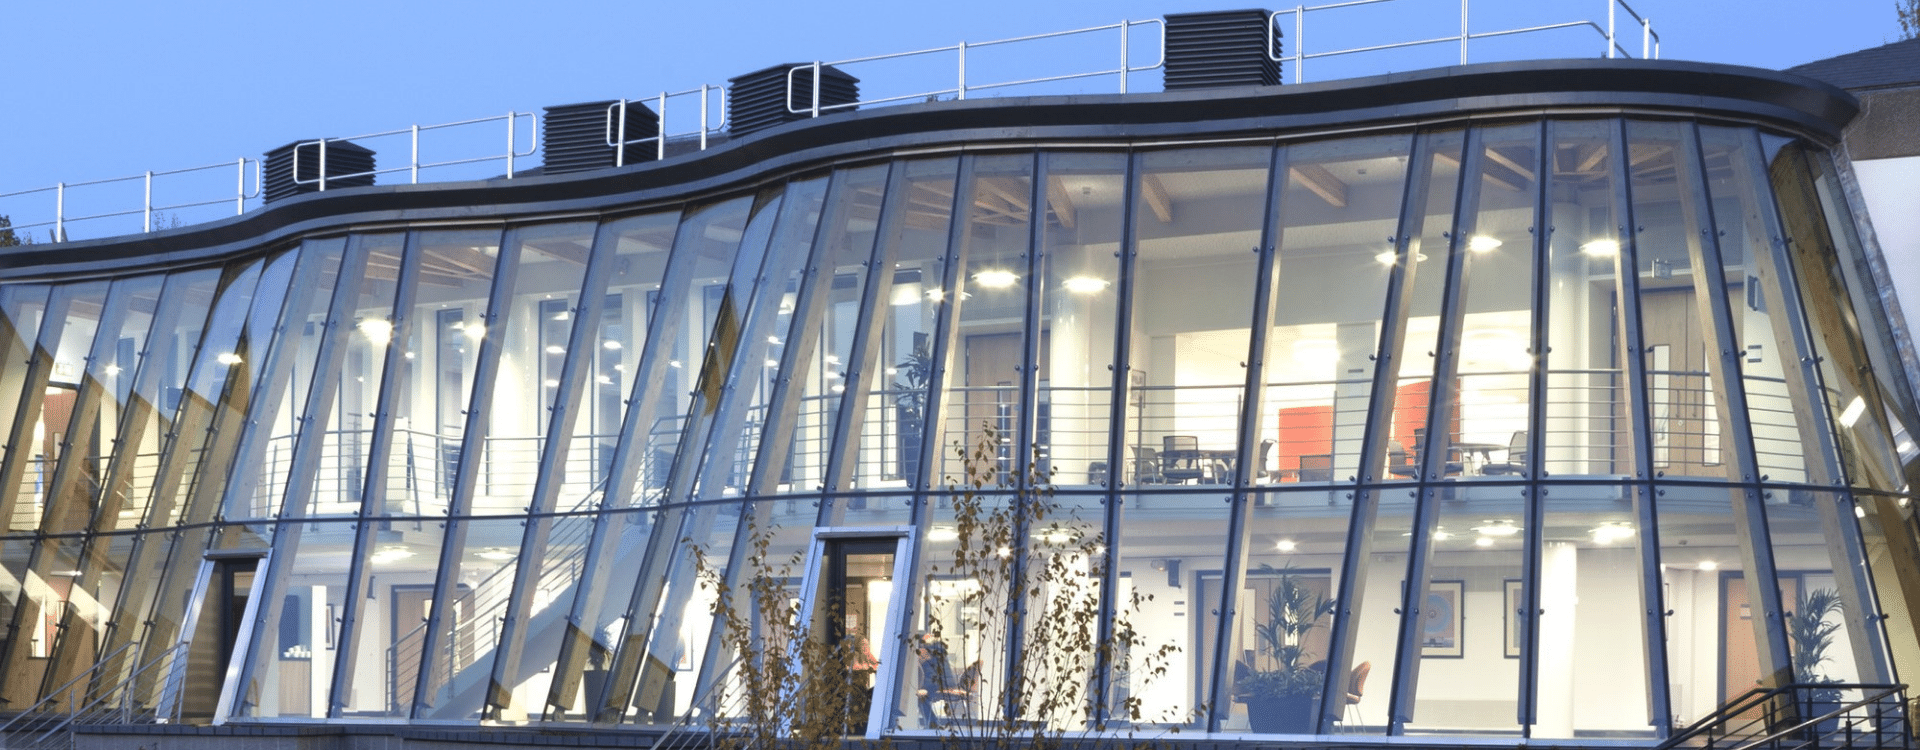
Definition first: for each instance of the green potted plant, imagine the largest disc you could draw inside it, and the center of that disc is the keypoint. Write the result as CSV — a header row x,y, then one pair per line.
x,y
1283,684
1811,626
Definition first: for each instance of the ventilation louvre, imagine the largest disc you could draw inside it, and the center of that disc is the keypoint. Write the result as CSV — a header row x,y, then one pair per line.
x,y
575,138
343,158
757,101
1224,48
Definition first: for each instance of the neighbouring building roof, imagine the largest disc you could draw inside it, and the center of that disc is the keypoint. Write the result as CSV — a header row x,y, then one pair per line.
x,y
1888,65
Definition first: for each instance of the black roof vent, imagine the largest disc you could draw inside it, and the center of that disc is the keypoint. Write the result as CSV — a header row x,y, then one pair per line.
x,y
758,100
343,158
1223,48
576,136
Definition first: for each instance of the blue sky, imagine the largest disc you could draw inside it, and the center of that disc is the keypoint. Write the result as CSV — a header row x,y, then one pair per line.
x,y
101,89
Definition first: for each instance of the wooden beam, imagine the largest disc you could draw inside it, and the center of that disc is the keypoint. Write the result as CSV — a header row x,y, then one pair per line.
x,y
1059,201
1322,182
1525,172
567,250
1157,199
1591,161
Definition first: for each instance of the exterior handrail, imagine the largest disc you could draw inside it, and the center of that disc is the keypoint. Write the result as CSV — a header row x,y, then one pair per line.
x,y
60,218
1649,41
617,122
55,693
414,164
1758,697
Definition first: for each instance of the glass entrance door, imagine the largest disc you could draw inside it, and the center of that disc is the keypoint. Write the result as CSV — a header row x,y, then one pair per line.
x,y
854,602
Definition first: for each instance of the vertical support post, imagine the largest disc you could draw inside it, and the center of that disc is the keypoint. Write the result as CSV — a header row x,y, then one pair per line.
x,y
1124,26
1646,37
816,88
1299,43
59,211
146,211
323,165
413,170
963,70
240,186
620,138
660,145
512,121
1463,32
703,116
1610,11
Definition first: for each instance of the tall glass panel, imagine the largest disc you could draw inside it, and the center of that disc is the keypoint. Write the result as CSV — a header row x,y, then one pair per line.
x,y
1766,324
820,345
363,332
1424,260
1339,199
1586,428
1713,616
294,659
1197,219
989,345
431,397
1819,599
1591,559
899,362
1689,416
44,422
1296,539
1079,312
957,626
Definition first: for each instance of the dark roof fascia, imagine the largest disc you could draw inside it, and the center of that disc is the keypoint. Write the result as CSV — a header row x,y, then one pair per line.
x,y
1683,89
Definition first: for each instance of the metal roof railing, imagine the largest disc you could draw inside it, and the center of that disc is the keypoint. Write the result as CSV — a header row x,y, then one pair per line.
x,y
241,194
414,165
1649,41
617,122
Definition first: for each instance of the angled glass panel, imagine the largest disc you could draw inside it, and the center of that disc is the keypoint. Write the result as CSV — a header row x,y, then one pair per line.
x,y
294,662
436,380
1425,261
787,536
1339,200
65,340
1586,427
989,345
677,644
1296,540
1592,643
1764,323
957,628
1713,617
453,675
1689,415
892,424
21,308
1079,312
819,344
598,620
386,664
365,331
1812,570
1197,218
642,244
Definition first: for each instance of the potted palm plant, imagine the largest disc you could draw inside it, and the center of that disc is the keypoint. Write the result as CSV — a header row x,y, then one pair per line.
x,y
1811,626
1283,684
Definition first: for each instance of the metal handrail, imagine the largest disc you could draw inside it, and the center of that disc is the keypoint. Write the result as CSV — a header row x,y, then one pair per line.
x,y
53,696
1717,723
815,108
60,218
681,723
414,164
617,115
1649,40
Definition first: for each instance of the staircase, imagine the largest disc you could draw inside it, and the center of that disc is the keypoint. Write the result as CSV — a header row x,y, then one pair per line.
x,y
82,702
1804,717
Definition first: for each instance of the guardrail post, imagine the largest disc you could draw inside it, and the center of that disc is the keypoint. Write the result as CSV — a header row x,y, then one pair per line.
x,y
816,88
146,211
1610,9
1299,43
1124,26
323,164
511,120
240,187
661,140
413,167
620,139
963,70
703,116
1646,36
59,211
1463,32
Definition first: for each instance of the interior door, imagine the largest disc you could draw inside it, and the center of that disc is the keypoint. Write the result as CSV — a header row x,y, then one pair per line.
x,y
853,598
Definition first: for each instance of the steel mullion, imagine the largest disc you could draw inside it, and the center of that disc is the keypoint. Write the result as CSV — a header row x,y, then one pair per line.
x,y
1354,567
1026,426
1750,519
1540,354
373,488
1633,364
1122,369
473,444
843,452
1434,453
549,477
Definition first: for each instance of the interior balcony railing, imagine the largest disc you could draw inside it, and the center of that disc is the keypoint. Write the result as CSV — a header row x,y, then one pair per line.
x,y
1820,716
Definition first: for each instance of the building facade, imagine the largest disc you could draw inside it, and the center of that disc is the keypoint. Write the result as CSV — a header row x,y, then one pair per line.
x,y
1564,384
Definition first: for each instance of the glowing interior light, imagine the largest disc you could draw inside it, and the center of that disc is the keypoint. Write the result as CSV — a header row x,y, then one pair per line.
x,y
1482,243
906,294
1442,535
995,278
1086,285
1709,565
1612,532
556,349
228,358
115,370
1286,545
773,339
673,363
562,315
1905,446
376,330
1855,408
1601,248
1004,551
610,345
476,330
604,380
937,295
1497,528
391,554
552,383
773,363
942,534
1485,541
496,553
1385,257
1859,512
838,388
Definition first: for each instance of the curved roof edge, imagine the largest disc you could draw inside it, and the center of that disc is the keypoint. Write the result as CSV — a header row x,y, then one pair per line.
x,y
1812,108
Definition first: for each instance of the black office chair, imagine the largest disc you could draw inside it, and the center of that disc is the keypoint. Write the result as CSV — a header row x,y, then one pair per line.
x,y
1516,462
1453,465
1397,463
1180,459
1146,466
1267,471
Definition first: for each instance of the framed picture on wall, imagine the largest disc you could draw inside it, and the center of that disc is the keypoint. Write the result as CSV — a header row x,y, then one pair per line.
x,y
1442,622
1514,602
